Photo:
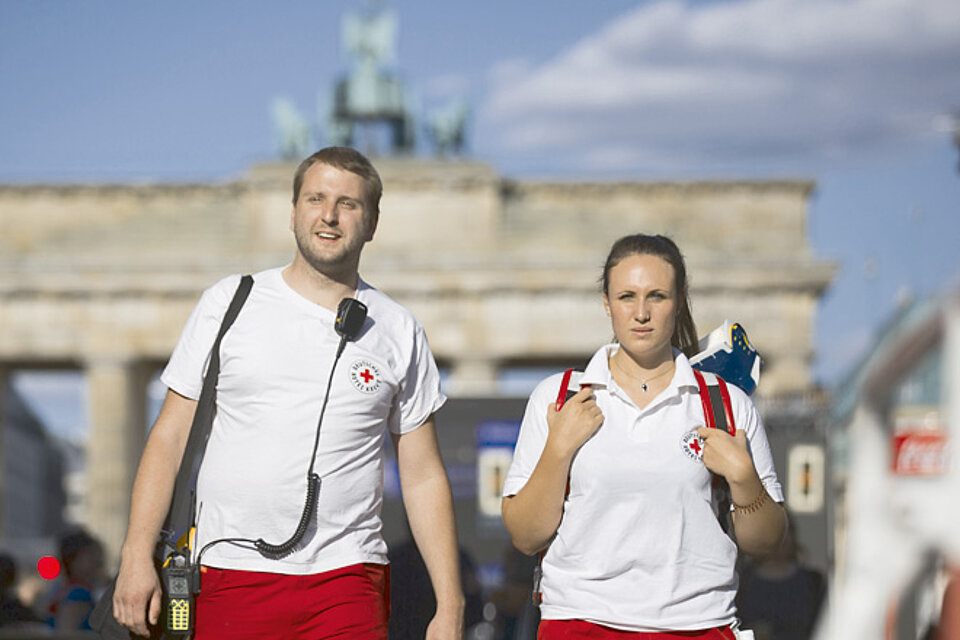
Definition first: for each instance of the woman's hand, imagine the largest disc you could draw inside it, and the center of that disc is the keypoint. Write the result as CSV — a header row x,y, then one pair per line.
x,y
572,426
727,455
533,514
758,530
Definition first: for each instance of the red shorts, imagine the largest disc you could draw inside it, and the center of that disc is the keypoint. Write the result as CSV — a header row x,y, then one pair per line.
x,y
350,602
577,629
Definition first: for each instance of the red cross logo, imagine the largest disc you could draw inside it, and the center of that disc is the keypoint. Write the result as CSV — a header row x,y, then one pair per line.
x,y
366,376
692,446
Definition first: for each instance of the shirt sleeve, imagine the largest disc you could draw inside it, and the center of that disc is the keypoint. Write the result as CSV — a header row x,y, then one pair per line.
x,y
533,435
184,371
419,395
748,419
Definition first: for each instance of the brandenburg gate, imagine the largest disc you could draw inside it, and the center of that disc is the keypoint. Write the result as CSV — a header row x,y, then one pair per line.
x,y
502,273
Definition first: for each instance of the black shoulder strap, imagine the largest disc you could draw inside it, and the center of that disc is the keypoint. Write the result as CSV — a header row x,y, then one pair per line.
x,y
180,517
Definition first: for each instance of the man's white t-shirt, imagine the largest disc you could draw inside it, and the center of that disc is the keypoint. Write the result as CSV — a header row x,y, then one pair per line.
x,y
639,547
275,364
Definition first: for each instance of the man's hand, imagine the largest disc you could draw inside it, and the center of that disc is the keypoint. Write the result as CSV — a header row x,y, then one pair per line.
x,y
447,624
137,596
429,505
572,426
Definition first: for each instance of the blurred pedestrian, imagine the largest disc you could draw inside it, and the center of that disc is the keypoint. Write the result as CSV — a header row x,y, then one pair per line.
x,y
779,597
82,557
517,615
13,613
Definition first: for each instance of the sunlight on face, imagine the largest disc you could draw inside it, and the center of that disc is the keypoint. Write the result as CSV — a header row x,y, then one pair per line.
x,y
330,219
642,304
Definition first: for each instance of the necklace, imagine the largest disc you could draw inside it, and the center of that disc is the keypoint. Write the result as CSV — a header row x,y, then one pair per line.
x,y
644,381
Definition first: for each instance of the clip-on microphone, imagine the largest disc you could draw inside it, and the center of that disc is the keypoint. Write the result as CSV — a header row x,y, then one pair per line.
x,y
351,315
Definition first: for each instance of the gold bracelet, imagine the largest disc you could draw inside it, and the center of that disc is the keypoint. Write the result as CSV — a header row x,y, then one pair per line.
x,y
754,506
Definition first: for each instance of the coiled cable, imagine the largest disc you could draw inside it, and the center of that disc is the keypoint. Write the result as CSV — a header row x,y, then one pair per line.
x,y
313,489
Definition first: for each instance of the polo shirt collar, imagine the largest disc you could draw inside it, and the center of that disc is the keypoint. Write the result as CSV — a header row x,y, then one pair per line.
x,y
684,376
597,372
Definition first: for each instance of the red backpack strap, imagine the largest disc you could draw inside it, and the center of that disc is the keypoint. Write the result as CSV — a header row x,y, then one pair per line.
x,y
537,594
705,400
715,398
718,414
565,393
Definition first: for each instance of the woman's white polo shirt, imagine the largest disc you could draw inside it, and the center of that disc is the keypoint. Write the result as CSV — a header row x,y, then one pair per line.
x,y
639,546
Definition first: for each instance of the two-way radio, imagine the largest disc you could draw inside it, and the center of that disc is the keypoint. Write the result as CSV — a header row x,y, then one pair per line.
x,y
179,579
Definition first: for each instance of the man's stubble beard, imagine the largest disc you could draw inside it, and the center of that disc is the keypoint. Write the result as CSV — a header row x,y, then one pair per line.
x,y
327,265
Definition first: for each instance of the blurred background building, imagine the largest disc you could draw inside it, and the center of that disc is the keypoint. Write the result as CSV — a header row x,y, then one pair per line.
x,y
34,478
894,434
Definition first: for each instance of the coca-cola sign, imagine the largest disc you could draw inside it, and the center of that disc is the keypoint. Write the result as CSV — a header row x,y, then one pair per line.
x,y
920,453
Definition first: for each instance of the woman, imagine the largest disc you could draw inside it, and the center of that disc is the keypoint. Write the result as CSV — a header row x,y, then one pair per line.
x,y
635,546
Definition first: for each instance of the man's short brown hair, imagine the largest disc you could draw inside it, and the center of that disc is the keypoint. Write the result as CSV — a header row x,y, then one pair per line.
x,y
346,159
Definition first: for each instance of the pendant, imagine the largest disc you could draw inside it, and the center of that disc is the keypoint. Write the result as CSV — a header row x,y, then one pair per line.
x,y
643,385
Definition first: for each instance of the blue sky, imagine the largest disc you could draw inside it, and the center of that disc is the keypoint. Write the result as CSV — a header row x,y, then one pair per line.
x,y
853,94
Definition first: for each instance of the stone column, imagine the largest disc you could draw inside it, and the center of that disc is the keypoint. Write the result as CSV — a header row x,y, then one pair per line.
x,y
473,376
116,414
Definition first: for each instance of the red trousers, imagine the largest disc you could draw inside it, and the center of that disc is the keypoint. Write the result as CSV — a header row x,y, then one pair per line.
x,y
350,602
580,629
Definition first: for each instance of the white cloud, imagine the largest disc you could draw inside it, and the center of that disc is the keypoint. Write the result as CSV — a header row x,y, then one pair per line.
x,y
747,81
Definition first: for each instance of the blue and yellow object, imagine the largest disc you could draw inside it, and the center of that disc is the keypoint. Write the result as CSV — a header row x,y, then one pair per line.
x,y
727,352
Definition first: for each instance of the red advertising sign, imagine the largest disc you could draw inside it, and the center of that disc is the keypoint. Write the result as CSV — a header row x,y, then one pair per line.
x,y
920,453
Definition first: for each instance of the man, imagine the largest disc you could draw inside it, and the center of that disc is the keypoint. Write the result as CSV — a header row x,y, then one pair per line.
x,y
276,360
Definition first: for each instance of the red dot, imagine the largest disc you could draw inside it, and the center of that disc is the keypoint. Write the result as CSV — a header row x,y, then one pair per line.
x,y
49,567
